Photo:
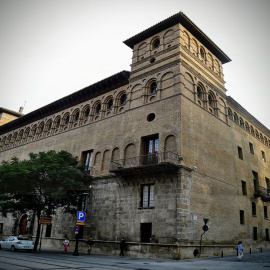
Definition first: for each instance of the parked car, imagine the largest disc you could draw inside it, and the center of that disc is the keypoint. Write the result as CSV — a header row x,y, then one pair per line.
x,y
17,242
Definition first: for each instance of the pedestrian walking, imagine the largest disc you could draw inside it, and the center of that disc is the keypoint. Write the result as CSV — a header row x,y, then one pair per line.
x,y
240,250
66,244
90,243
122,246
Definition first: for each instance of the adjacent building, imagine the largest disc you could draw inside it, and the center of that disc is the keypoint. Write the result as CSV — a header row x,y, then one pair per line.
x,y
165,148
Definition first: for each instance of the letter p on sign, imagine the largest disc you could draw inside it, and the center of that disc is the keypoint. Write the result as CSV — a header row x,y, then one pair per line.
x,y
80,216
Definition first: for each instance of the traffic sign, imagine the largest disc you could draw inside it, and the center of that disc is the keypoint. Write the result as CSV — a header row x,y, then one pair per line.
x,y
77,228
80,216
80,222
45,220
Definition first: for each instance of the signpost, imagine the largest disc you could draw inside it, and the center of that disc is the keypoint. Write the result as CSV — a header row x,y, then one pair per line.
x,y
44,220
80,221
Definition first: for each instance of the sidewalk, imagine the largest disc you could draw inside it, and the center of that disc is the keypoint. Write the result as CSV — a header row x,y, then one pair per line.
x,y
254,261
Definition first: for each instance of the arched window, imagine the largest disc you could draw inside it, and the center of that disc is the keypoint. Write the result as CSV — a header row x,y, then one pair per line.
x,y
186,40
252,130
98,108
40,128
211,99
57,121
86,112
153,88
34,131
110,104
257,134
235,118
66,119
76,117
265,141
247,127
156,43
123,99
14,137
210,61
230,114
202,53
26,133
199,92
241,122
48,126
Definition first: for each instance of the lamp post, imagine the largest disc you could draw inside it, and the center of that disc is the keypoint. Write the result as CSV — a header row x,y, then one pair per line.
x,y
83,206
205,229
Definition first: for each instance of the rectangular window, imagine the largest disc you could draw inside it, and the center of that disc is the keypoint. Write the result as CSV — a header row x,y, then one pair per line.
x,y
265,212
150,155
251,149
255,180
147,196
242,217
267,234
254,209
255,234
244,188
263,156
87,157
240,152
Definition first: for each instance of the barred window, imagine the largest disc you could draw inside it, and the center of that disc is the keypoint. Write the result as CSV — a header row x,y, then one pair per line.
x,y
147,195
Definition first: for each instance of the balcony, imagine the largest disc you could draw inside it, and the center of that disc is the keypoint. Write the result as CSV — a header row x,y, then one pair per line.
x,y
146,164
263,193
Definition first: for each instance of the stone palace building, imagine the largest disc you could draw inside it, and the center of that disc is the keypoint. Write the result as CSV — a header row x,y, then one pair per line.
x,y
165,148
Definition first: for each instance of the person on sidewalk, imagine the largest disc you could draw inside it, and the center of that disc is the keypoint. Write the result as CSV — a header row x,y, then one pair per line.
x,y
122,246
90,243
66,244
240,250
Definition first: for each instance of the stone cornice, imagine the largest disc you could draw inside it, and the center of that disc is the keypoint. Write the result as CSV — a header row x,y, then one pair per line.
x,y
233,103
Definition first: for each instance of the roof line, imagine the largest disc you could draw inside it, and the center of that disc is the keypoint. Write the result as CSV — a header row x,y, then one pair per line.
x,y
187,23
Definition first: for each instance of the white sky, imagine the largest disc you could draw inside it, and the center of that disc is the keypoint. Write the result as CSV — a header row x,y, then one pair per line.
x,y
52,48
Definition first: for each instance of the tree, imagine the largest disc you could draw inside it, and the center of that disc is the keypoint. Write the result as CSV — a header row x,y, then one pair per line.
x,y
43,183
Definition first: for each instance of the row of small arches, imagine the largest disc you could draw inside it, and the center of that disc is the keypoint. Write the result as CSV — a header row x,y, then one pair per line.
x,y
249,128
69,120
199,51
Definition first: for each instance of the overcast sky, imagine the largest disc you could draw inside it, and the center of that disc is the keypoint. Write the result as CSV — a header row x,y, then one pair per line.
x,y
52,48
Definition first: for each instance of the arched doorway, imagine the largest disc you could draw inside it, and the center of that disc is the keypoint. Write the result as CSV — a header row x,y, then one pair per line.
x,y
23,225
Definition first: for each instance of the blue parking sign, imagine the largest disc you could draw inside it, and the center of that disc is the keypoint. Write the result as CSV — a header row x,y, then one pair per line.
x,y
80,216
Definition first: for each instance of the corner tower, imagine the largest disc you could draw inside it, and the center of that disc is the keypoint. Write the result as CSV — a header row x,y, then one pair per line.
x,y
175,52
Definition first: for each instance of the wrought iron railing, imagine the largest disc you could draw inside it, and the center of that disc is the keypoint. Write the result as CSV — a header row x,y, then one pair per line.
x,y
262,192
150,159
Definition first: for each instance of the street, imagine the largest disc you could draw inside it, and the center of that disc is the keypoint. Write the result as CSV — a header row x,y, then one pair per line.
x,y
56,260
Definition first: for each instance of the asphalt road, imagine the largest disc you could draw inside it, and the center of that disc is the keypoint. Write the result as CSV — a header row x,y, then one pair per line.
x,y
56,260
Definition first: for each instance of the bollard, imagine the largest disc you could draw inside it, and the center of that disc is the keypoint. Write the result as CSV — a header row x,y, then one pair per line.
x,y
250,251
222,254
261,250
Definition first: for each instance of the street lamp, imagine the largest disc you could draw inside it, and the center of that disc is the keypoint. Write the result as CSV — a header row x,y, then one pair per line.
x,y
205,229
83,207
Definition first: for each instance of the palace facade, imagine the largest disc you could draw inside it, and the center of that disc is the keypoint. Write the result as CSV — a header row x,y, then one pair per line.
x,y
165,148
